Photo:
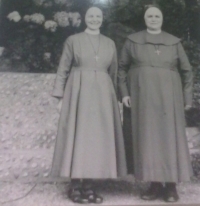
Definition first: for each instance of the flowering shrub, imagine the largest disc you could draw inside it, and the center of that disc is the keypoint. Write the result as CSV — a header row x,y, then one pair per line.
x,y
47,56
27,18
50,25
14,16
33,35
37,18
62,18
75,19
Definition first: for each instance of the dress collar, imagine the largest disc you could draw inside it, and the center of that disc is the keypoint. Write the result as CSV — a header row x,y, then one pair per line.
x,y
96,32
144,37
154,32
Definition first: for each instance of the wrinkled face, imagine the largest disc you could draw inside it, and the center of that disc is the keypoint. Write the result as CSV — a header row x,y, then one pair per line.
x,y
153,19
94,18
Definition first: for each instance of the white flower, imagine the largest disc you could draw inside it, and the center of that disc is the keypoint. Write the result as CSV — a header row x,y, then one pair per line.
x,y
62,18
37,18
50,25
47,56
75,19
27,18
62,2
14,16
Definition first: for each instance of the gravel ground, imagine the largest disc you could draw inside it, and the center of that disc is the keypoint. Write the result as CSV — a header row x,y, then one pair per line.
x,y
114,193
28,124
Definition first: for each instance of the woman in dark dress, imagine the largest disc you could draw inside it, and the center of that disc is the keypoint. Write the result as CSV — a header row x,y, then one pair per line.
x,y
150,85
90,140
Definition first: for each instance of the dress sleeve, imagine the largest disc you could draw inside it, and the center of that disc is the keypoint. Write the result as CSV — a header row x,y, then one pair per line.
x,y
114,68
124,63
187,75
63,69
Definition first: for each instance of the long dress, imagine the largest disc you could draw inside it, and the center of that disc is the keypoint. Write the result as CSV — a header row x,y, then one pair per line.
x,y
89,140
155,72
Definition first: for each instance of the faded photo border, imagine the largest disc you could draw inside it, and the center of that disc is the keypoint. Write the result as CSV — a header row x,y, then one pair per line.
x,y
32,36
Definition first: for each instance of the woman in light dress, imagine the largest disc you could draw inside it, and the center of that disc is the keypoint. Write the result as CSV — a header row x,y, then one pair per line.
x,y
89,141
151,66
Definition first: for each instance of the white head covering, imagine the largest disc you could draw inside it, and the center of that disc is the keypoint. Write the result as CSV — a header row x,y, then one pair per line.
x,y
91,8
87,12
157,10
153,7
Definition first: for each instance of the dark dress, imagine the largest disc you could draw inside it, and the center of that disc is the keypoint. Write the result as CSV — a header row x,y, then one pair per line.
x,y
90,139
153,81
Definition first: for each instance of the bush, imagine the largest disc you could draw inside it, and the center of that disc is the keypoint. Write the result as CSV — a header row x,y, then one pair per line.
x,y
33,33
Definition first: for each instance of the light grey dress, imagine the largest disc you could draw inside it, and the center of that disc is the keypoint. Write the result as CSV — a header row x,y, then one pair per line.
x,y
159,144
90,140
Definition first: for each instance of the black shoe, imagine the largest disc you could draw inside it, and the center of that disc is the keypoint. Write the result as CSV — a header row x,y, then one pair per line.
x,y
170,193
75,194
154,192
90,194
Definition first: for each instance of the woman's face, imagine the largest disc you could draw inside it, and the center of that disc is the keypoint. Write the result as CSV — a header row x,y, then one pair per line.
x,y
94,18
153,19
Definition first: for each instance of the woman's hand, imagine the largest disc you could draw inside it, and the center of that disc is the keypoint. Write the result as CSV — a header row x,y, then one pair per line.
x,y
59,106
187,107
127,101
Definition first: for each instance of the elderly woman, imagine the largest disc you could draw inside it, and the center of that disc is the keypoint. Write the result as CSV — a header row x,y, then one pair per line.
x,y
151,65
90,140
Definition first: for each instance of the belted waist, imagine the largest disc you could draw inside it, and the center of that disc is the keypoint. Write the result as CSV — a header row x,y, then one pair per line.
x,y
74,68
172,68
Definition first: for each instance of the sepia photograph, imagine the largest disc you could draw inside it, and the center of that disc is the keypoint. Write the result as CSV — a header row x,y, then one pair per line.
x,y
99,102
